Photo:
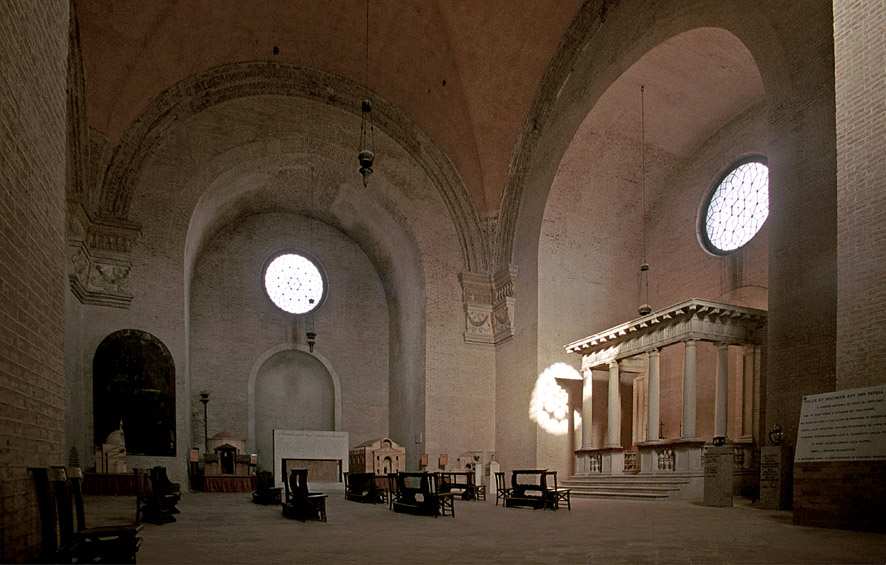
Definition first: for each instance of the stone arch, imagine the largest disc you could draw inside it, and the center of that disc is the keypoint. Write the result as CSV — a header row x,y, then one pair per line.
x,y
238,80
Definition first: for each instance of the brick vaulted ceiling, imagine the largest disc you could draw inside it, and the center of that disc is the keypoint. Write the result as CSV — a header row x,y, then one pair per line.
x,y
465,71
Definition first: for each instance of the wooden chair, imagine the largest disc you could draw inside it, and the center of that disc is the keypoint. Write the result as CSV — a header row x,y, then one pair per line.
x,y
163,485
150,505
480,491
502,490
393,490
265,491
301,504
556,494
61,542
114,544
445,500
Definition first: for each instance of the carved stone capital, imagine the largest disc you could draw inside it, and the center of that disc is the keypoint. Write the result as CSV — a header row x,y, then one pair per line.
x,y
99,258
489,306
101,280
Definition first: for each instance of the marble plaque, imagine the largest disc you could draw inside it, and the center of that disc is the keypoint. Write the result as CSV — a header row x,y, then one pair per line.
x,y
847,425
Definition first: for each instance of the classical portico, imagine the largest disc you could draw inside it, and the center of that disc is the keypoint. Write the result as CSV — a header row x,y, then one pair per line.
x,y
636,347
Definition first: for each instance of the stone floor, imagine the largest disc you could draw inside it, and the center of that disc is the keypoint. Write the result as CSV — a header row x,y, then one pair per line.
x,y
228,528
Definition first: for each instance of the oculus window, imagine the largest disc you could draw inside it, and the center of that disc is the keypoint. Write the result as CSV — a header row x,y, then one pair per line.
x,y
294,283
737,207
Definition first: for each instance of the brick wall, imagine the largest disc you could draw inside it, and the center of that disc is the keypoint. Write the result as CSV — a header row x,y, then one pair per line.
x,y
34,43
852,494
840,494
859,28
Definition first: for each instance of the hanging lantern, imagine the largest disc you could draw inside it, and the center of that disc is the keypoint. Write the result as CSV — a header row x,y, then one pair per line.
x,y
366,157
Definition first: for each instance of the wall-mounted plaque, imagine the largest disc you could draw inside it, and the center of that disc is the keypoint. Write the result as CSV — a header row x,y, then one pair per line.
x,y
847,425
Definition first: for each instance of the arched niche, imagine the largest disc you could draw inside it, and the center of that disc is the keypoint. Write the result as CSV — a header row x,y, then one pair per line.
x,y
133,378
290,389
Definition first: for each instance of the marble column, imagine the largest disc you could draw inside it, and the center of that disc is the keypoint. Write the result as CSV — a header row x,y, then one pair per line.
x,y
747,393
689,378
721,393
587,392
614,424
654,391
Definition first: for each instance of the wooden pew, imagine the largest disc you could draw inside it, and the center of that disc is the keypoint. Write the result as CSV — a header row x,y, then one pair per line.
x,y
533,488
419,493
362,487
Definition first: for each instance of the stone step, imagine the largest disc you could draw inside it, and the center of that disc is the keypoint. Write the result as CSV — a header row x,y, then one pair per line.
x,y
619,495
586,481
630,487
624,488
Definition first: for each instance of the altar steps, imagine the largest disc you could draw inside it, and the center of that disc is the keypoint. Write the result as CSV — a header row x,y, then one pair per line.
x,y
628,487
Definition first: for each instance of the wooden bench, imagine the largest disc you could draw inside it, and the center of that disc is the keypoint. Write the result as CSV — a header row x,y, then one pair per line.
x,y
419,493
533,488
462,481
362,487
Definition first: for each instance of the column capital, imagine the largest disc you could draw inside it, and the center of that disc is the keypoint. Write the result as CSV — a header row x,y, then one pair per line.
x,y
613,364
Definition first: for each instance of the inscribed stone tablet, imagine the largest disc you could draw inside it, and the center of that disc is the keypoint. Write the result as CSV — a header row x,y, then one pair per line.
x,y
847,425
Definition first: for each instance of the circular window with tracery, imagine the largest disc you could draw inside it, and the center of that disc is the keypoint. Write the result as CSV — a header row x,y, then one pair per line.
x,y
294,283
737,207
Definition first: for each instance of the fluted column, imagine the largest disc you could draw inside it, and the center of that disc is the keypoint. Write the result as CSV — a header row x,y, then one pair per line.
x,y
689,378
654,392
721,399
747,393
587,391
614,424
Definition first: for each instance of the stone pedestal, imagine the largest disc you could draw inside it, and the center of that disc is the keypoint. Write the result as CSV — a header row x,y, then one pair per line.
x,y
718,476
775,477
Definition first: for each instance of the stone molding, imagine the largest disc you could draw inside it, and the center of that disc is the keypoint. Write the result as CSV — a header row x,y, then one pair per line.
x,y
692,319
489,306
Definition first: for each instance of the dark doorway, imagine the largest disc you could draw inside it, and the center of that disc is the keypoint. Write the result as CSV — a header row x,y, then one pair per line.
x,y
133,379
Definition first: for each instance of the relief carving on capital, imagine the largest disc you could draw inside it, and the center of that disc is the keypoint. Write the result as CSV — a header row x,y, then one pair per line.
x,y
489,306
99,281
99,259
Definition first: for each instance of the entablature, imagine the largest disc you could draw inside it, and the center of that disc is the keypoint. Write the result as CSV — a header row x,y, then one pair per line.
x,y
693,319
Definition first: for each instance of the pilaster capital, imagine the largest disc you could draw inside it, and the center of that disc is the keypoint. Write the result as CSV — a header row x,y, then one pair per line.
x,y
99,257
489,305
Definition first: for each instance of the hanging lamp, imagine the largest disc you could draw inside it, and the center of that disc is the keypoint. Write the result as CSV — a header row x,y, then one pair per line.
x,y
366,151
644,308
310,333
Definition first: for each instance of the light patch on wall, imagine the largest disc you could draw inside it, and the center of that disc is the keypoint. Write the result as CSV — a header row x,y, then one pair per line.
x,y
549,405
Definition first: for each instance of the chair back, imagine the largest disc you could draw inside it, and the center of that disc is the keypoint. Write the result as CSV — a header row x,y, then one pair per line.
x,y
48,516
75,476
500,484
297,486
60,489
